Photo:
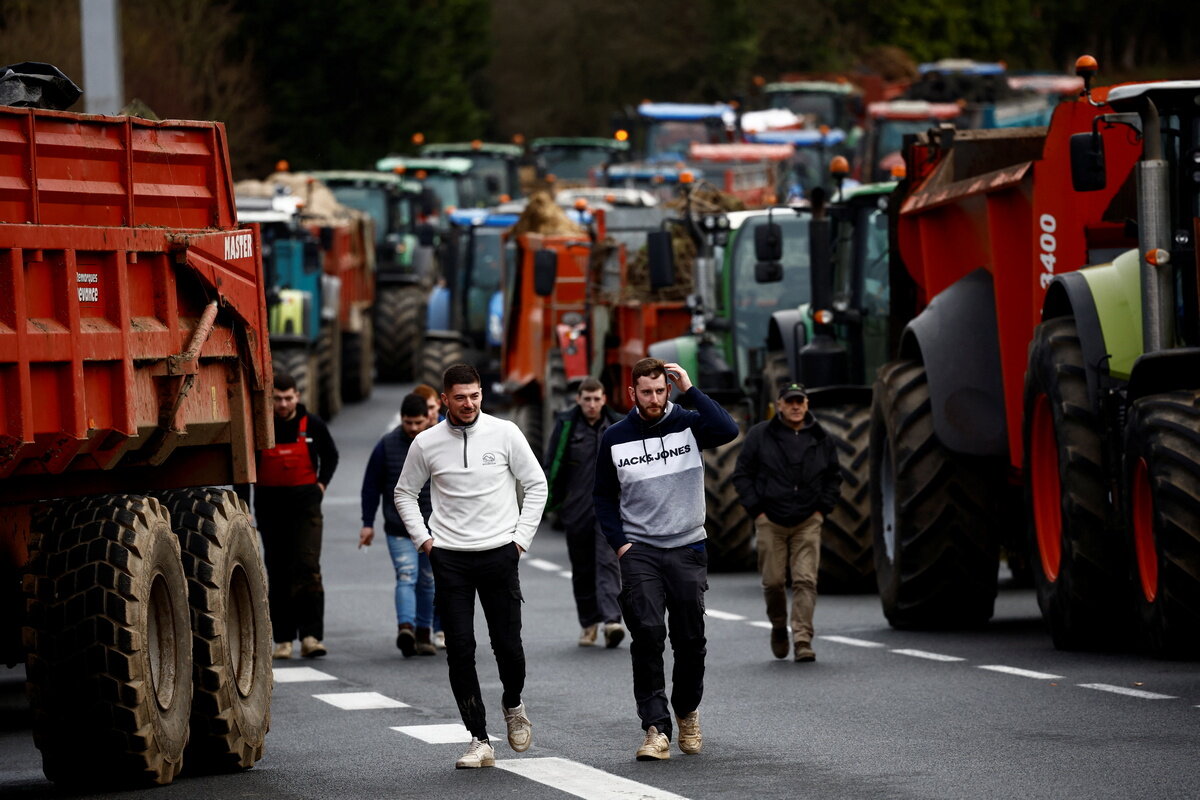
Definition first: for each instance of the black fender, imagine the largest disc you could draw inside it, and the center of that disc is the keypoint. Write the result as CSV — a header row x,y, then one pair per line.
x,y
786,331
1164,371
1069,295
957,340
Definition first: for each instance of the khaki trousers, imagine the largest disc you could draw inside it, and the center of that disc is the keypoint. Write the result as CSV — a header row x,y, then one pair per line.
x,y
794,547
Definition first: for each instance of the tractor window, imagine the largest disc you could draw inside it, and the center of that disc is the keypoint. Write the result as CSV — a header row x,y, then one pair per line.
x,y
487,256
446,187
494,169
815,108
891,133
753,303
370,200
670,139
571,163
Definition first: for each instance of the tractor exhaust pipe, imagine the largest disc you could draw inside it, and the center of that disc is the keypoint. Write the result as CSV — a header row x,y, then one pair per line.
x,y
1154,237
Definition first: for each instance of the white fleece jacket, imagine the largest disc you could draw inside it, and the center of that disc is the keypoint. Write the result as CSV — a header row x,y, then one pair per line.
x,y
473,473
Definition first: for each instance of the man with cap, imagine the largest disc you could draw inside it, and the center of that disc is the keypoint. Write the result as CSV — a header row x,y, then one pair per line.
x,y
787,476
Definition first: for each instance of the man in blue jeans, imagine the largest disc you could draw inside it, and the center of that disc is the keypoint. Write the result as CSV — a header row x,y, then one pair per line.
x,y
414,575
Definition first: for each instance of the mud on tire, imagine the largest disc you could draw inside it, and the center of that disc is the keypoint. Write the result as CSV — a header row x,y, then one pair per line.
x,y
399,322
436,355
231,628
107,636
358,363
847,564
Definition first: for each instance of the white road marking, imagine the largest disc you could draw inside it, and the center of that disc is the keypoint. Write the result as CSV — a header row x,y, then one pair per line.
x,y
450,733
851,641
359,701
566,573
758,623
712,612
340,500
1022,673
581,780
300,675
544,565
1143,695
929,656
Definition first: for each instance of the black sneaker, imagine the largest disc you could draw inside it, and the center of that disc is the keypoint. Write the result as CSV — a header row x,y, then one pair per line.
x,y
406,641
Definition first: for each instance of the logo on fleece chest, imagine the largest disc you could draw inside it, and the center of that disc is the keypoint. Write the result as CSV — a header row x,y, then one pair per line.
x,y
643,458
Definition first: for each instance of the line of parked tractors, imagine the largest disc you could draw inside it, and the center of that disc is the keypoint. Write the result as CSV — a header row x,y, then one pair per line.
x,y
1004,342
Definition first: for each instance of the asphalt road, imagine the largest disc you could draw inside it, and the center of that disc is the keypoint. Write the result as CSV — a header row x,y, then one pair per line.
x,y
881,714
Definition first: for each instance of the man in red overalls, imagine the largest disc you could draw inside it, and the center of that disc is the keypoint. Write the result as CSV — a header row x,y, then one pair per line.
x,y
292,477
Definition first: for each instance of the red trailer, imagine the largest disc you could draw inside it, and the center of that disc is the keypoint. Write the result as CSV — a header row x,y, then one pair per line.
x,y
134,374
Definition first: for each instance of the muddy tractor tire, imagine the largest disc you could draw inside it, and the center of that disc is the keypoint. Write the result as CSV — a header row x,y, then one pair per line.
x,y
399,323
329,371
1162,477
731,544
231,629
847,564
935,540
358,363
558,397
529,418
1078,564
108,639
436,355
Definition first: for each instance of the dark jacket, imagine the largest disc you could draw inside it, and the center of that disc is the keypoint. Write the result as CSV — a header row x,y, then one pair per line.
x,y
379,481
322,450
570,464
788,474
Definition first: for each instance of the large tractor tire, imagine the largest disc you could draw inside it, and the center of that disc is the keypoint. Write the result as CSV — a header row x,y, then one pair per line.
x,y
358,363
436,355
529,418
399,322
301,364
1077,559
935,541
558,398
847,564
329,371
108,641
730,543
231,628
1162,474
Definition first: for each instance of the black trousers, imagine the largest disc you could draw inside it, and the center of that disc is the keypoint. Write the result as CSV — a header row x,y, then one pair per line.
x,y
658,583
458,576
595,577
290,522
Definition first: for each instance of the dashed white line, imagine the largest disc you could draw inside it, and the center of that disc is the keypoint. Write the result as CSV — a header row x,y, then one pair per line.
x,y
851,641
927,655
712,612
581,780
1022,673
544,565
300,675
566,573
758,623
1143,695
360,701
450,733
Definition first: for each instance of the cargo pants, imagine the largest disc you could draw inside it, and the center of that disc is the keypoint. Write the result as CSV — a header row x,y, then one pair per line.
x,y
794,548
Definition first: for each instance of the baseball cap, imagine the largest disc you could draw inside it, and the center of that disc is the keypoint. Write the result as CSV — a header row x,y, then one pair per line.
x,y
793,390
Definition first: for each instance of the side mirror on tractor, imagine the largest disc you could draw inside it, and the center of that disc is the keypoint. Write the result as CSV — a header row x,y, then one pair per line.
x,y
660,254
768,252
545,272
1087,162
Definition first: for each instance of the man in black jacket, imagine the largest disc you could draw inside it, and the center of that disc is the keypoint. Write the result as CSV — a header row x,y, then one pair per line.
x,y
787,476
571,473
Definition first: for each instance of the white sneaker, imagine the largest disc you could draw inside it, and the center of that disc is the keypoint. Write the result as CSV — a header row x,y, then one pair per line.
x,y
587,637
479,754
656,747
439,640
520,729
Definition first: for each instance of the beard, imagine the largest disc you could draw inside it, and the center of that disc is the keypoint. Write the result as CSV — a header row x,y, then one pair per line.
x,y
457,420
652,412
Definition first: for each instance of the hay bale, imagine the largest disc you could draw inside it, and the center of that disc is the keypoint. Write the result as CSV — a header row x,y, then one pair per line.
x,y
542,215
320,204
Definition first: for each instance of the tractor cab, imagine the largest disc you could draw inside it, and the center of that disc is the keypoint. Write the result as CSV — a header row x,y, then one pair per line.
x,y
495,166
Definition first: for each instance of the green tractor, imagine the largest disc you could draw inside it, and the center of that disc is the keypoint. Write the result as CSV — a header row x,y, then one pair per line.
x,y
404,259
495,165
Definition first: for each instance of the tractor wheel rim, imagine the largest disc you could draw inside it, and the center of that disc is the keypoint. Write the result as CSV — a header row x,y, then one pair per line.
x,y
1046,486
1143,530
887,496
162,641
240,631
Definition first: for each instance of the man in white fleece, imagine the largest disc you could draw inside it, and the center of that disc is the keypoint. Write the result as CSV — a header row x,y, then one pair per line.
x,y
474,541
